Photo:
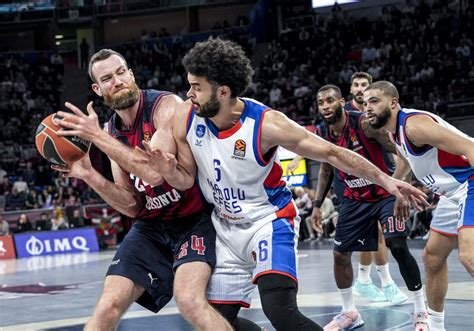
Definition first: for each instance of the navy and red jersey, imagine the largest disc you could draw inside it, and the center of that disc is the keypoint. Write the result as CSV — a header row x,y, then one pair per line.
x,y
354,138
349,106
162,202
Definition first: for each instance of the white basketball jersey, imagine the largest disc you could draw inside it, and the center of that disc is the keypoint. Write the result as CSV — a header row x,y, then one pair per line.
x,y
439,170
243,185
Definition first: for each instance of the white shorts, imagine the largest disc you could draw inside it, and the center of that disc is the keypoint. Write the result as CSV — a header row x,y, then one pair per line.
x,y
247,251
453,212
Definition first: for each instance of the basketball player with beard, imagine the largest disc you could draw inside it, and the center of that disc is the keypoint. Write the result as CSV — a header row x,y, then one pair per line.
x,y
442,158
363,205
234,142
170,250
363,285
359,81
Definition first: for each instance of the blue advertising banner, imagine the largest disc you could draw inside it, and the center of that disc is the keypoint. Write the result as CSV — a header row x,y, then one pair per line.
x,y
56,242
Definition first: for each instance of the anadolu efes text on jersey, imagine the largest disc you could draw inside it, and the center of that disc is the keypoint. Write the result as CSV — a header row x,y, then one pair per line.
x,y
440,171
244,185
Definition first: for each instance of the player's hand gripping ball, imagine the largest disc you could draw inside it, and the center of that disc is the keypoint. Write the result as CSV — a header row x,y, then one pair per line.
x,y
60,150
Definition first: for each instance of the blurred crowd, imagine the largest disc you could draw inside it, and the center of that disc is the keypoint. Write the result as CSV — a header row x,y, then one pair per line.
x,y
426,50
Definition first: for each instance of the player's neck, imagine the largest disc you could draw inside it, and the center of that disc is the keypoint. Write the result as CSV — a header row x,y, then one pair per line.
x,y
391,125
228,115
128,116
358,106
339,125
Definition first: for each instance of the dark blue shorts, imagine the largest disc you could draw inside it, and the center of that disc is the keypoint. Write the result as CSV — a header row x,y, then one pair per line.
x,y
357,229
151,252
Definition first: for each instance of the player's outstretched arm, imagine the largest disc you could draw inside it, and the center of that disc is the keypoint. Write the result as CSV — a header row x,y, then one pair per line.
x,y
280,130
118,195
423,130
88,127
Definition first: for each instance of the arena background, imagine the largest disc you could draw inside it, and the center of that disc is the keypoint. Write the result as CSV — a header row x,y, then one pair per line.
x,y
424,47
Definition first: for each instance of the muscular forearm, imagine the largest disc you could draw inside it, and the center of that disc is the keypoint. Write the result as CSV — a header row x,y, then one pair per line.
x,y
354,164
325,177
180,179
124,155
402,169
118,197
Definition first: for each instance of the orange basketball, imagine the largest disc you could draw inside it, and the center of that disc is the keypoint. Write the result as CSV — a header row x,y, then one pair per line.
x,y
57,149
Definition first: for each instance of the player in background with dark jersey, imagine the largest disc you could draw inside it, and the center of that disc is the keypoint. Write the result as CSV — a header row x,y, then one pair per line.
x,y
170,249
233,141
363,285
442,158
359,81
363,204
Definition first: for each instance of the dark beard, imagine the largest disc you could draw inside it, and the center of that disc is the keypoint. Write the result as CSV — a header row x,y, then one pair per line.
x,y
210,108
337,116
359,98
381,119
123,101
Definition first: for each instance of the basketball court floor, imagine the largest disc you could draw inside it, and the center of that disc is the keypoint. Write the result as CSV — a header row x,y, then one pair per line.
x,y
59,292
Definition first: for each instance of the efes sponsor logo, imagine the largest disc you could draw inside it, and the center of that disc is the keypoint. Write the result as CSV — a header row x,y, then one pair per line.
x,y
239,148
200,130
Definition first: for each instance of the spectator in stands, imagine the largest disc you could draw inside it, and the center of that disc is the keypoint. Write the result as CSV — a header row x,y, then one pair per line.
x,y
29,174
44,223
23,224
15,200
329,218
58,223
105,232
43,176
32,201
4,227
5,186
21,185
76,221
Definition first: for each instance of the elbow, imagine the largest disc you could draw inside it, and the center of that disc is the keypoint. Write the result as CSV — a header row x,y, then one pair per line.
x,y
185,186
132,210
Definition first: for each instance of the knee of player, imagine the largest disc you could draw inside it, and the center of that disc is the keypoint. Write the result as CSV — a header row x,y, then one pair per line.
x,y
341,258
110,307
467,260
190,303
432,261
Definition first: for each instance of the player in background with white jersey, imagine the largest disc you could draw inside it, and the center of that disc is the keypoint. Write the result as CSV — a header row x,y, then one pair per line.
x,y
442,158
233,142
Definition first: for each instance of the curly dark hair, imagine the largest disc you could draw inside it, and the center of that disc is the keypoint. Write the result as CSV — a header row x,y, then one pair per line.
x,y
222,62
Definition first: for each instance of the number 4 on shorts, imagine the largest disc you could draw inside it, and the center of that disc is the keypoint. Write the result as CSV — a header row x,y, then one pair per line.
x,y
197,244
